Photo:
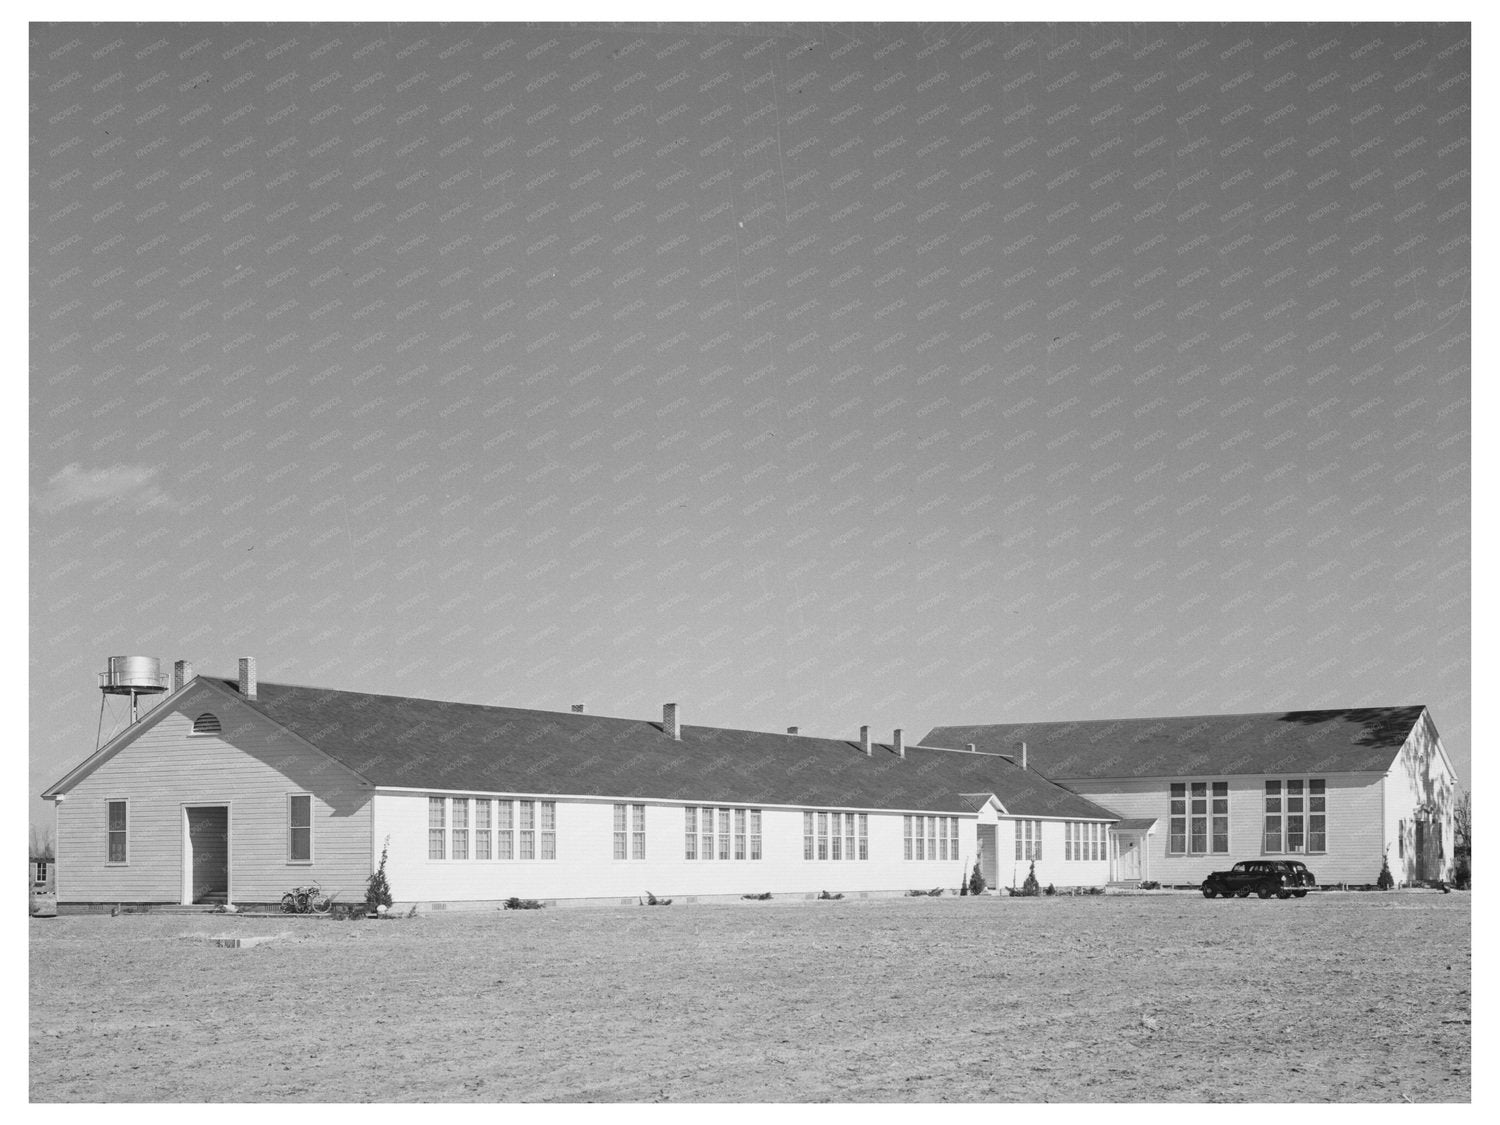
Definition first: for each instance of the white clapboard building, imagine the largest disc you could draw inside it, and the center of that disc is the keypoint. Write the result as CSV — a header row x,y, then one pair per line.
x,y
231,790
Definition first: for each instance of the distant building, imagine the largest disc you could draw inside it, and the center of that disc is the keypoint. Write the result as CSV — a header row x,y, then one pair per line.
x,y
234,790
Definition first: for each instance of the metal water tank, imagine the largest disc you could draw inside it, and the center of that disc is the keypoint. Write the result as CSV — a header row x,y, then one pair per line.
x,y
133,675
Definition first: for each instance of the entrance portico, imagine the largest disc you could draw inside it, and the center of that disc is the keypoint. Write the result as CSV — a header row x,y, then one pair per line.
x,y
1128,855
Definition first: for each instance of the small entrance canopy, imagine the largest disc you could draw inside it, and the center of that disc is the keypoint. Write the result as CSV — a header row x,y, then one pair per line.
x,y
1128,862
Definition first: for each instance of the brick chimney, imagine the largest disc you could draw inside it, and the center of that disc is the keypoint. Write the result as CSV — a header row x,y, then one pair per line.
x,y
899,743
182,673
669,723
578,708
864,741
791,730
973,749
247,677
1023,755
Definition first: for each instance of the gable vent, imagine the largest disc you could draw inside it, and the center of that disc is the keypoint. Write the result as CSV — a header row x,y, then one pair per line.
x,y
207,723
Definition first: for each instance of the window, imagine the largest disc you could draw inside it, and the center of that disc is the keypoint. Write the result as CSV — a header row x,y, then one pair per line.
x,y
754,833
41,871
742,841
739,833
1198,818
460,828
1083,840
207,723
437,825
115,819
619,831
299,828
1028,839
528,831
690,832
923,837
549,829
1400,839
708,833
838,836
505,830
481,829
723,833
1296,815
637,831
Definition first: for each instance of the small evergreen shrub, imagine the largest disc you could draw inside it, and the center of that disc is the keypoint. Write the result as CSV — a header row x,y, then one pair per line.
x,y
1031,887
1150,885
1461,874
1051,890
830,897
514,903
1384,880
652,900
762,897
977,885
378,889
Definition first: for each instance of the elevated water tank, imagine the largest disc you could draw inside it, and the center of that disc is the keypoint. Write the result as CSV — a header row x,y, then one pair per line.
x,y
133,675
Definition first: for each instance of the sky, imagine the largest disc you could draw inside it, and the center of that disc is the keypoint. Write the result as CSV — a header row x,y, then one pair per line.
x,y
815,375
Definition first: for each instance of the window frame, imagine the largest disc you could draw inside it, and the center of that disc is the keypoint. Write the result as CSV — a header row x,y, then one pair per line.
x,y
1300,801
124,831
1028,840
1198,819
438,806
292,828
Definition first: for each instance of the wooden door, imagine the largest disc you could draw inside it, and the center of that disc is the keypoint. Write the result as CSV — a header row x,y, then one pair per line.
x,y
208,844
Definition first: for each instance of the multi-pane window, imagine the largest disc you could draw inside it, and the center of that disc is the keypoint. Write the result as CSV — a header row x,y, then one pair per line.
x,y
637,831
1296,815
460,828
437,828
528,830
923,837
505,830
1198,818
738,833
835,835
1084,840
115,824
549,829
299,828
481,829
620,832
1028,839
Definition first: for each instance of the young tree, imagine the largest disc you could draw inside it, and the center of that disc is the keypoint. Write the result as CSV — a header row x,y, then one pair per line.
x,y
41,843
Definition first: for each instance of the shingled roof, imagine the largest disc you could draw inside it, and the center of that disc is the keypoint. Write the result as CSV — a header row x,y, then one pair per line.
x,y
411,743
1344,741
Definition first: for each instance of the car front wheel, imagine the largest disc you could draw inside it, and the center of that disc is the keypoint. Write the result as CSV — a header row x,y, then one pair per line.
x,y
1208,891
1265,890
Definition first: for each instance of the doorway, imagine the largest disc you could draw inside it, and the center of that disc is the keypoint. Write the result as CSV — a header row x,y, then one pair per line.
x,y
988,859
207,858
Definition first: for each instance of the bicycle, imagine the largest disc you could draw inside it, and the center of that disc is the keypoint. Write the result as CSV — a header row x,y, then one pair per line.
x,y
306,900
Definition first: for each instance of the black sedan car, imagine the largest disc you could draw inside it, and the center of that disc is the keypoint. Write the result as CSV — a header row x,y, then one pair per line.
x,y
1266,877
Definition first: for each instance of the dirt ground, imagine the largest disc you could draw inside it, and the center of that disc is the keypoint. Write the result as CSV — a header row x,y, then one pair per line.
x,y
1337,997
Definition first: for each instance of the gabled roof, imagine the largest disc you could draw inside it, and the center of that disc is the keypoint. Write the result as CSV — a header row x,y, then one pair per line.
x,y
401,742
1358,740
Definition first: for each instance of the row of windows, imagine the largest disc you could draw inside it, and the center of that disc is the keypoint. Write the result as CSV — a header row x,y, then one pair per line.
x,y
837,835
929,837
484,829
698,824
1083,840
1295,821
1028,839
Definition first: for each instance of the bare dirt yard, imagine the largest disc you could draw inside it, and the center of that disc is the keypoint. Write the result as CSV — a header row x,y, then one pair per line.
x,y
1337,997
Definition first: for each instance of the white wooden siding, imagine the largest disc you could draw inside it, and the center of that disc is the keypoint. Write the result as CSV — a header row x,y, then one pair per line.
x,y
1419,775
1053,867
1353,811
251,767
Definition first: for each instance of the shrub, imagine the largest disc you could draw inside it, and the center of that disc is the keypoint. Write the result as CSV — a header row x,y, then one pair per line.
x,y
1461,874
1051,890
652,900
1031,886
916,894
378,890
826,895
1093,890
977,885
1384,881
762,897
514,903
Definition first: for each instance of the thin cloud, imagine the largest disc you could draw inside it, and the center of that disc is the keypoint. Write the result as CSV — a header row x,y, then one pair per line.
x,y
130,486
